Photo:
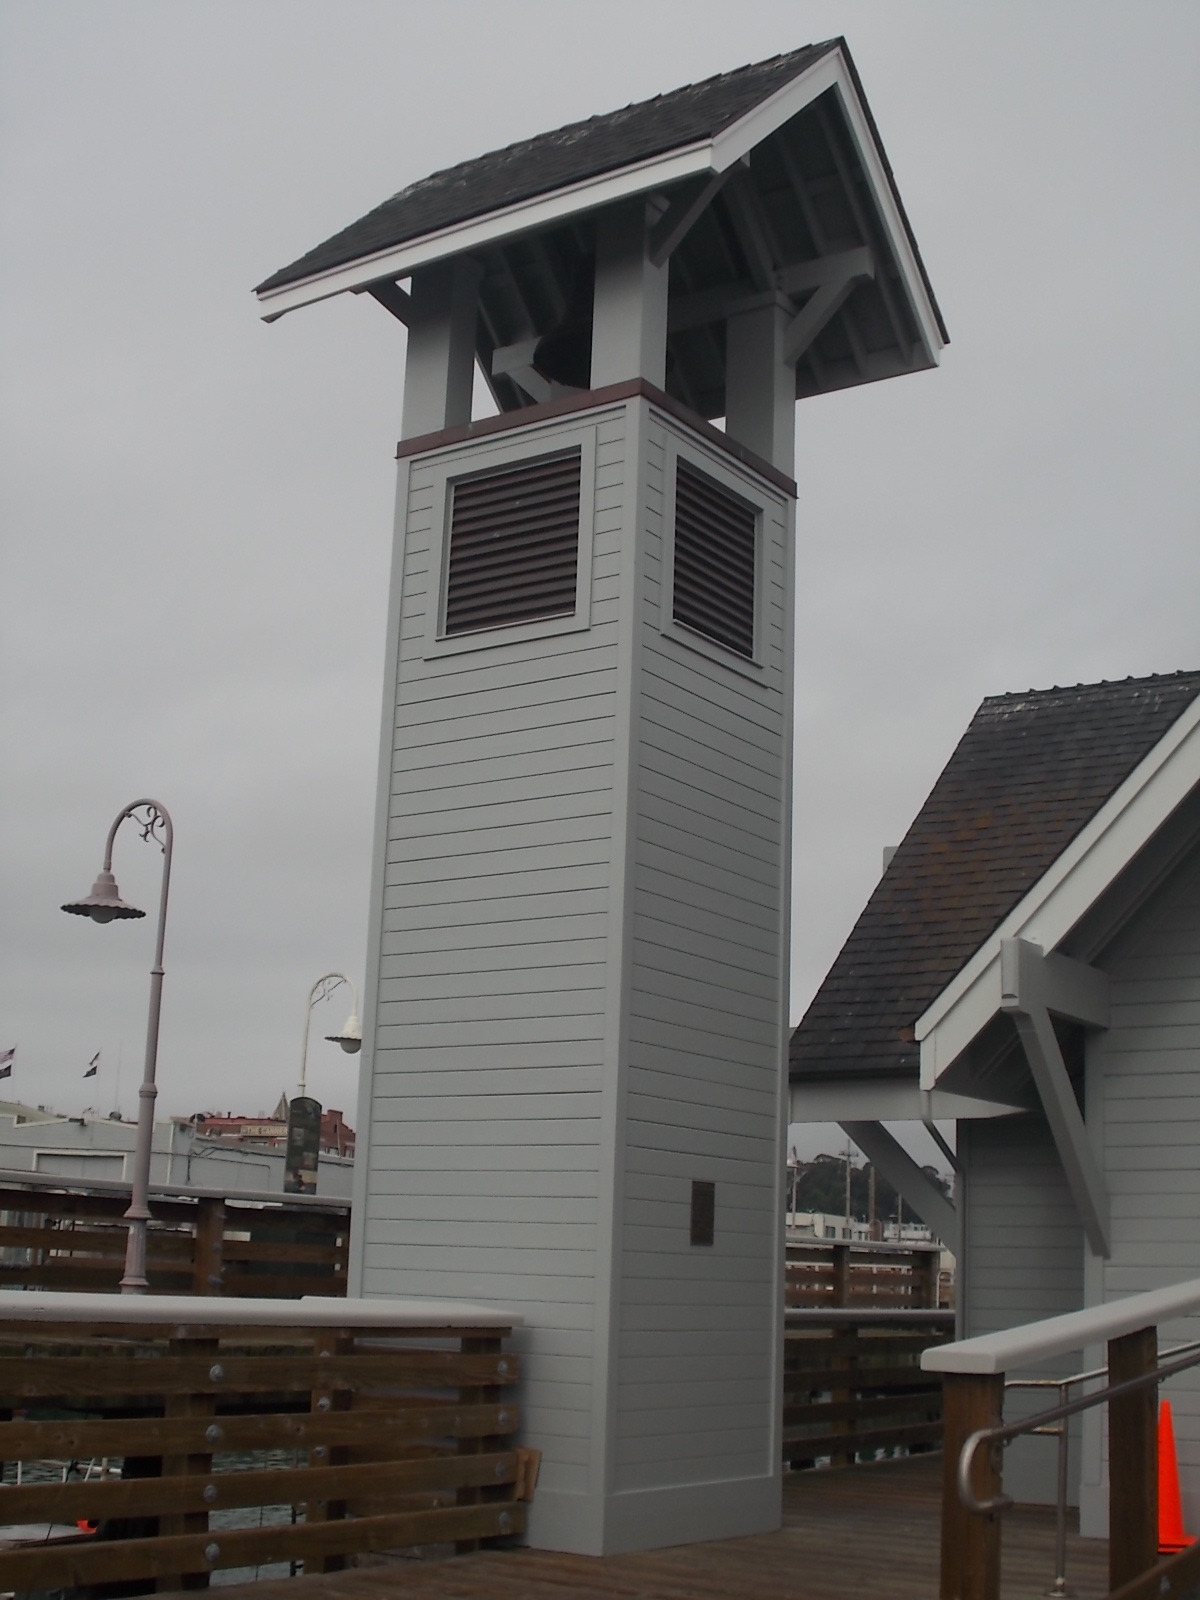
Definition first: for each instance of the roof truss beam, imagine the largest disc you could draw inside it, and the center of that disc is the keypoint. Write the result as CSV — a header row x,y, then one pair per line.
x,y
851,268
682,215
729,300
1031,987
391,297
890,1157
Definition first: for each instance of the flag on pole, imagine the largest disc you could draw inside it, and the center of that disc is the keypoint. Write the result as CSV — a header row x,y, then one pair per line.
x,y
7,1057
93,1066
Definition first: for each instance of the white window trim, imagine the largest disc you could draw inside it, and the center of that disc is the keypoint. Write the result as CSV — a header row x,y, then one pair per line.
x,y
745,488
510,453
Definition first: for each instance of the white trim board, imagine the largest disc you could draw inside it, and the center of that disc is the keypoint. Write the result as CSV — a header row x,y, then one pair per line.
x,y
1088,866
873,1100
641,177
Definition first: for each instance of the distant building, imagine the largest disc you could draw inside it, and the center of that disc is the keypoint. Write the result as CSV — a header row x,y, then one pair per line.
x,y
92,1147
337,1137
827,1225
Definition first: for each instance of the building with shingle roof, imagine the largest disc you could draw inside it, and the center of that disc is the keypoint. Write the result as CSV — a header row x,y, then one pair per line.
x,y
575,1029
1029,967
1030,771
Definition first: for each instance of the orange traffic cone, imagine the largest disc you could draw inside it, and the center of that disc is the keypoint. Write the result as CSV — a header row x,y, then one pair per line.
x,y
1171,1537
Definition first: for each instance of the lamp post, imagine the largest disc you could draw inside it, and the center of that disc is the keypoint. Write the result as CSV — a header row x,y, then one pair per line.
x,y
104,904
350,1037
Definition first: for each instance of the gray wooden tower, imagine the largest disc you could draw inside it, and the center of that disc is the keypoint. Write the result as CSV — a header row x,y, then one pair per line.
x,y
575,1032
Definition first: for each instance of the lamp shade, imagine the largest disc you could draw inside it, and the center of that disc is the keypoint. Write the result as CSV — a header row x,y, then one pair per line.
x,y
350,1037
104,904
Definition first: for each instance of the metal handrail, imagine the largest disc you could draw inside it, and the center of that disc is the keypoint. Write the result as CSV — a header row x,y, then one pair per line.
x,y
1002,1435
1059,1431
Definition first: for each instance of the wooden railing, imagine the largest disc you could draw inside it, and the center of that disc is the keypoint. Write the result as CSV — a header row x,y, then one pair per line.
x,y
853,1387
59,1234
863,1273
250,1432
973,1372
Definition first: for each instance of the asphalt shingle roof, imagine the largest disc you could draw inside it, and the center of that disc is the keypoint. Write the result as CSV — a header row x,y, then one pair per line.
x,y
1029,773
550,161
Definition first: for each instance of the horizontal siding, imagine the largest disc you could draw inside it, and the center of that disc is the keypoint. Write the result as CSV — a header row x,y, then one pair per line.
x,y
1024,1251
1150,1065
695,1391
489,1047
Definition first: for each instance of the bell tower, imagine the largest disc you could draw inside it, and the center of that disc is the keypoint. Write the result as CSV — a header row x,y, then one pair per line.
x,y
572,1100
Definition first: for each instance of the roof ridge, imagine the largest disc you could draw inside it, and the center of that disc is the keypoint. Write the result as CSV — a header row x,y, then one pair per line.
x,y
601,116
1181,674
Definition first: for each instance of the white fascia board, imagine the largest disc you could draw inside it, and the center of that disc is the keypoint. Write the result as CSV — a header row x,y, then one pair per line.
x,y
848,1101
1087,867
709,155
832,72
526,216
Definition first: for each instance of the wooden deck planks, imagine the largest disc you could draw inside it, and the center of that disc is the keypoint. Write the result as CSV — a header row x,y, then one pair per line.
x,y
848,1532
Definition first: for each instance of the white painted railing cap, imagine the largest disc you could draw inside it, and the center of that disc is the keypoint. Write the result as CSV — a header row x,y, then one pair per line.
x,y
313,1311
1035,1342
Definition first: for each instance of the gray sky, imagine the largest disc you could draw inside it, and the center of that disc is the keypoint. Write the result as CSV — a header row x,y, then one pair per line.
x,y
197,507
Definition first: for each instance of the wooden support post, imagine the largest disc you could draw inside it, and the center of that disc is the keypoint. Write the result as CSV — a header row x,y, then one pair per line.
x,y
325,1400
187,1405
207,1264
479,1397
970,1543
848,1361
841,1273
1132,1460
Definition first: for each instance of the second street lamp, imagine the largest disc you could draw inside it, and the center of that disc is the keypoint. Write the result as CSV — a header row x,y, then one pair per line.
x,y
104,904
350,1037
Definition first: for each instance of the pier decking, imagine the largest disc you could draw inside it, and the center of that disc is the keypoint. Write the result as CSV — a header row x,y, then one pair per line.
x,y
848,1532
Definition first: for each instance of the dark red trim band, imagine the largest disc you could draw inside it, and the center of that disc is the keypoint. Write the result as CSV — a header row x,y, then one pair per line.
x,y
591,400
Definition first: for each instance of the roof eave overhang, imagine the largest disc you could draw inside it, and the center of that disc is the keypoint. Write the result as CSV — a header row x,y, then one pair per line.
x,y
830,71
1088,867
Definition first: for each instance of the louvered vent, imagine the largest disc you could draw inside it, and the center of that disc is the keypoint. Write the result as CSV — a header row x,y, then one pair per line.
x,y
715,539
514,545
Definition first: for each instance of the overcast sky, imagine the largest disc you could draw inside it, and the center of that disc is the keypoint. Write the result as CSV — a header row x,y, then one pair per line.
x,y
197,507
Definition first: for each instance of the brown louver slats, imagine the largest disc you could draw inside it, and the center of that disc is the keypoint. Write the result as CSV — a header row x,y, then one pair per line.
x,y
715,539
514,545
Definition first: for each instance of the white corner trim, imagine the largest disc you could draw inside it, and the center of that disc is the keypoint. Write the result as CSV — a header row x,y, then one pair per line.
x,y
711,155
1073,883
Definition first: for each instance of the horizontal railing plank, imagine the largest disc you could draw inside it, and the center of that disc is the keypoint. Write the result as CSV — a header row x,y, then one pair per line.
x,y
862,1406
98,1501
802,1379
71,1439
87,1377
810,1446
67,1566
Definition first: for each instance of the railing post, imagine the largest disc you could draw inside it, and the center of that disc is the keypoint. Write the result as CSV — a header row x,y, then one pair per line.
x,y
1132,1460
970,1543
841,1274
184,1466
207,1264
330,1397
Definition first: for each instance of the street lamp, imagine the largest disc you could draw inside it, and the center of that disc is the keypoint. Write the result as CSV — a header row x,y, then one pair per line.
x,y
104,904
350,1037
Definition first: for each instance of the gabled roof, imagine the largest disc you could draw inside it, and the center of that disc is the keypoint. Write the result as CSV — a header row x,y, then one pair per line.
x,y
778,167
1029,774
555,160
